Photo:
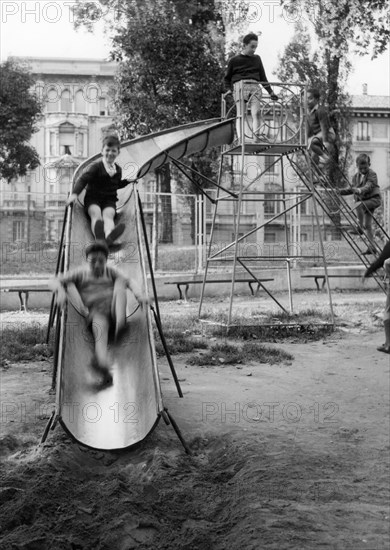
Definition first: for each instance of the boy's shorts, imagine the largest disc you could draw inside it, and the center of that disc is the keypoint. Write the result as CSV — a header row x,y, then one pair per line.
x,y
372,204
252,89
102,202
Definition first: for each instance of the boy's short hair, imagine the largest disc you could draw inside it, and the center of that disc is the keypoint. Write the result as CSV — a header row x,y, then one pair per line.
x,y
363,156
111,141
314,92
249,37
97,246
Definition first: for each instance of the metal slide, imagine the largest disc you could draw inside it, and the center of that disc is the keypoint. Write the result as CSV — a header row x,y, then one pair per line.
x,y
123,414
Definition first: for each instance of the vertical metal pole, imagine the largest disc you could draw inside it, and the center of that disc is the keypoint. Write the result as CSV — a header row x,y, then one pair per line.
x,y
197,236
315,211
211,239
288,265
155,228
204,235
143,225
238,219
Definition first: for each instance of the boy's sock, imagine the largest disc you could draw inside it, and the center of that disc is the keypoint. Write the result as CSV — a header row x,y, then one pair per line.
x,y
99,230
115,233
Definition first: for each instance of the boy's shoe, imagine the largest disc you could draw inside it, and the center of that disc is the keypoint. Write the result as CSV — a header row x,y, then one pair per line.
x,y
384,349
356,231
115,233
369,251
99,230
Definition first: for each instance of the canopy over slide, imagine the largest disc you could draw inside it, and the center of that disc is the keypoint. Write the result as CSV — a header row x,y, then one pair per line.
x,y
123,414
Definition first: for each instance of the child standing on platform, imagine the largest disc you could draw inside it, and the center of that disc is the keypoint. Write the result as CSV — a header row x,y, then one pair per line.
x,y
102,180
248,66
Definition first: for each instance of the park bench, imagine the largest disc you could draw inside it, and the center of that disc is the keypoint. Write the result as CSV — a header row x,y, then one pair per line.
x,y
187,283
321,277
23,293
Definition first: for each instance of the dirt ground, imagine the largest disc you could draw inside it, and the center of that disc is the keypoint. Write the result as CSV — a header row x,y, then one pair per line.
x,y
288,456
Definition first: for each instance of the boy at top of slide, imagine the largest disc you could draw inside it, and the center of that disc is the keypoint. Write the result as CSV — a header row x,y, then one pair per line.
x,y
102,179
249,67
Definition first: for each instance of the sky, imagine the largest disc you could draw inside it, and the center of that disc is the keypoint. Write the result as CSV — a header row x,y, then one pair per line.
x,y
44,29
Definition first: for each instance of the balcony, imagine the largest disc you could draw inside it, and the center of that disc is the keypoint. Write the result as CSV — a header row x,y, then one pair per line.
x,y
17,204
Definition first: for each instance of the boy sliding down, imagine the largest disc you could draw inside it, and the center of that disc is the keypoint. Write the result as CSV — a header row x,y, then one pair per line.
x,y
102,180
98,291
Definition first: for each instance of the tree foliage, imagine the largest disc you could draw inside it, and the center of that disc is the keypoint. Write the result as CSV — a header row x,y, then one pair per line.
x,y
169,73
19,112
343,27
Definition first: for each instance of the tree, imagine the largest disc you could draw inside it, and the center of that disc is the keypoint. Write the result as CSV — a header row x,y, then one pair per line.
x,y
343,26
300,63
19,112
171,63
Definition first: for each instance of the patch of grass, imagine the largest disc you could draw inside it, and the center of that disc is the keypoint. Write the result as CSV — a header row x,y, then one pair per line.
x,y
230,354
308,324
27,343
179,338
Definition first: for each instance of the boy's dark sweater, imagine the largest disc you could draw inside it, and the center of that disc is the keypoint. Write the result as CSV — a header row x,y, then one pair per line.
x,y
384,255
99,182
245,67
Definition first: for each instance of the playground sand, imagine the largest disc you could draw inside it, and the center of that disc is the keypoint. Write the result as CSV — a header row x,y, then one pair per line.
x,y
287,456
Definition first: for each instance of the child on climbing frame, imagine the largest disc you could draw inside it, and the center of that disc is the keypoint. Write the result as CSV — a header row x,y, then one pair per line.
x,y
366,191
99,292
320,133
102,180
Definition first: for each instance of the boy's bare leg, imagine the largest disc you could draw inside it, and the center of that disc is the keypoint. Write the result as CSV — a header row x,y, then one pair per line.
x,y
100,327
256,115
368,225
118,306
360,215
108,220
95,214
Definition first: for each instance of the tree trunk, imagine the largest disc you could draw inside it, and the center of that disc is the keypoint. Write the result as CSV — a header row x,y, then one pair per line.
x,y
163,176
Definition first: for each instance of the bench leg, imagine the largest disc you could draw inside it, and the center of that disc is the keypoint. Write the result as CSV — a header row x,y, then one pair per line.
x,y
186,292
316,279
254,292
23,298
180,294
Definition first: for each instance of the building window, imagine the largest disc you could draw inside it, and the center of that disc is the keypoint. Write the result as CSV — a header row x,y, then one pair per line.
x,y
362,131
270,204
102,106
53,151
67,139
304,207
80,145
80,104
93,100
66,103
238,236
270,167
18,230
52,100
269,237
